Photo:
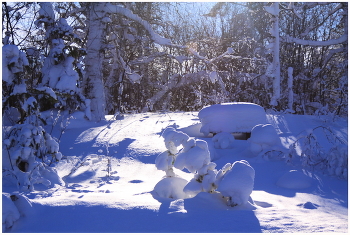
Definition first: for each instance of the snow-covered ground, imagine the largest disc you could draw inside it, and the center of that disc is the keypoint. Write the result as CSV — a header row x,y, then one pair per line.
x,y
109,173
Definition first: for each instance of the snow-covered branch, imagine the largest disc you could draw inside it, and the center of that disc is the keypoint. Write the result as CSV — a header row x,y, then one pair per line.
x,y
114,9
289,39
312,27
210,61
147,59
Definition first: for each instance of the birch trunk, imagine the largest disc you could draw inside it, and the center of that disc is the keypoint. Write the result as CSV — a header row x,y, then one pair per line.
x,y
275,71
93,83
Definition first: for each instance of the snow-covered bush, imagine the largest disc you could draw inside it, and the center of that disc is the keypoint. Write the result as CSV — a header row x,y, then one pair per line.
x,y
172,139
14,87
235,181
62,67
28,153
264,138
13,62
321,149
223,140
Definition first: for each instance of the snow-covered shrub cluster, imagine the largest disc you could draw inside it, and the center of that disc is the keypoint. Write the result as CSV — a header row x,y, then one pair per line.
x,y
28,151
235,181
331,158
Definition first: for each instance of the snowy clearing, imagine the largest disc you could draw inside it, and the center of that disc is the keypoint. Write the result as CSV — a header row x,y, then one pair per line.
x,y
111,189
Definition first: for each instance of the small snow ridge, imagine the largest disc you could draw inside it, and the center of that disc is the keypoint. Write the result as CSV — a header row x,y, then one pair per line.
x,y
294,180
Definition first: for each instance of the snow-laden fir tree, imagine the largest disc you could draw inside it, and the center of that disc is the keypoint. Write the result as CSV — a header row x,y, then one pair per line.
x,y
59,72
28,151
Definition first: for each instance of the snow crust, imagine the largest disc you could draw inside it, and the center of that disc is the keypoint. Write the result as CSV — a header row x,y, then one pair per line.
x,y
231,117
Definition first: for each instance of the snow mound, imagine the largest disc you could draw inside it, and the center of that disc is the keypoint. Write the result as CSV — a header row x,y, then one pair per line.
x,y
294,180
309,205
223,140
263,137
231,117
171,187
238,183
10,213
22,203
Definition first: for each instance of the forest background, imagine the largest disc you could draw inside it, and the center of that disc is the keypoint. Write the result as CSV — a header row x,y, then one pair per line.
x,y
111,58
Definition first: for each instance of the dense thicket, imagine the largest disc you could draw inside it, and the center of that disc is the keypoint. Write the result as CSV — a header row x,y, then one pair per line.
x,y
118,57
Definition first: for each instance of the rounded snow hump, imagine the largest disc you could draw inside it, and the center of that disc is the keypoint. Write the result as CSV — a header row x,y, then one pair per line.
x,y
294,180
231,117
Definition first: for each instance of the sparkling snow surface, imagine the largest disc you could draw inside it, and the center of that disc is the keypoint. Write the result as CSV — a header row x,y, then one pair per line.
x,y
112,187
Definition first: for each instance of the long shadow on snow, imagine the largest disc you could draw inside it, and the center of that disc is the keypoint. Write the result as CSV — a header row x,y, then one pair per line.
x,y
95,219
120,149
71,144
206,213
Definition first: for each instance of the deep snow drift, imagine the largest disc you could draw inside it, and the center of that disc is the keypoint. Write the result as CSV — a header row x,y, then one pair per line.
x,y
110,178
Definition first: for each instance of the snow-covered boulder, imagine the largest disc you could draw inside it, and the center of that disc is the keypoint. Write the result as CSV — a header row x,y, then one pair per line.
x,y
238,183
223,140
231,117
263,137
